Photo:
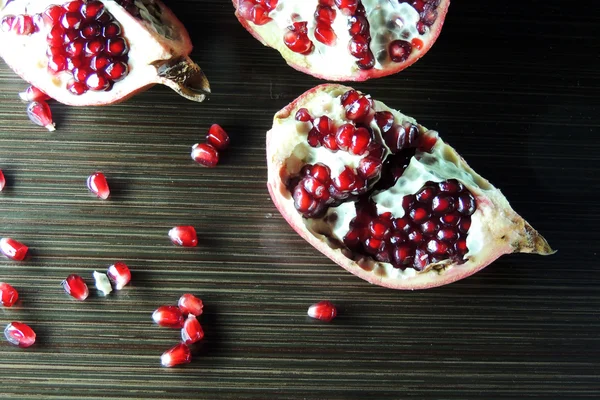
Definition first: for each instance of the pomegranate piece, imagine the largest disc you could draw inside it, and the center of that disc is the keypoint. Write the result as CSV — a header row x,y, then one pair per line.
x,y
205,154
33,94
192,330
102,283
217,137
393,203
184,236
190,304
168,316
120,274
98,185
40,114
8,295
176,355
75,286
323,310
19,334
332,39
13,249
2,180
139,43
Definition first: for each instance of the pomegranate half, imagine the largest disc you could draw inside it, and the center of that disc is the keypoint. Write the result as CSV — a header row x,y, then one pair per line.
x,y
345,40
383,196
96,52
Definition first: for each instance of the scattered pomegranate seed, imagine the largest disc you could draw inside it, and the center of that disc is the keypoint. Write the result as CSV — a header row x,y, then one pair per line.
x,y
39,113
176,355
120,274
75,286
168,316
217,137
8,295
19,334
98,185
102,283
192,330
205,154
33,94
190,304
2,180
13,249
323,310
184,236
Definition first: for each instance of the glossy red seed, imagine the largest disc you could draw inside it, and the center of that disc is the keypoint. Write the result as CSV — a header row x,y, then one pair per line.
x,y
116,71
358,46
2,180
168,316
346,180
315,188
71,20
330,143
91,30
360,141
297,40
400,50
33,94
324,125
53,14
451,219
429,227
349,97
359,109
384,120
343,136
466,204
57,63
303,115
464,225
359,25
404,255
451,186
379,229
113,29
217,137
425,194
117,47
184,236
120,274
415,236
98,63
176,355
40,114
437,247
23,25
303,201
75,286
369,167
97,82
13,249
442,204
419,215
447,235
461,247
205,154
92,10
98,185
192,330
348,7
76,88
8,295
321,172
19,334
421,259
325,14
190,304
325,34
323,310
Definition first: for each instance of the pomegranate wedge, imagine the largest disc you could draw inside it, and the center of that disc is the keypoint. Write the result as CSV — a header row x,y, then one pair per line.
x,y
384,197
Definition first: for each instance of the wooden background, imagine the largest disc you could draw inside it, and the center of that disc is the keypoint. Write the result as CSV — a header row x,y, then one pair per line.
x,y
514,87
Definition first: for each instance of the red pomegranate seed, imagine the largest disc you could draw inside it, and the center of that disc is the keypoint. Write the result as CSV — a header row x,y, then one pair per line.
x,y
192,330
97,82
369,167
404,255
190,304
99,63
75,286
425,194
33,94
111,30
8,295
419,215
323,310
116,71
120,274
321,172
77,88
325,14
344,135
349,97
2,180
437,247
346,180
303,115
360,141
23,25
429,227
19,334
325,34
466,204
53,14
400,50
176,355
447,235
464,225
92,10
348,7
184,236
359,109
358,46
217,137
451,186
461,247
442,204
421,260
71,20
297,40
168,316
39,113
385,120
116,47
303,201
98,185
205,154
13,249
451,219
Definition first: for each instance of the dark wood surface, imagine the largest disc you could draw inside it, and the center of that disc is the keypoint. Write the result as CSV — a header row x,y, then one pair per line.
x,y
514,87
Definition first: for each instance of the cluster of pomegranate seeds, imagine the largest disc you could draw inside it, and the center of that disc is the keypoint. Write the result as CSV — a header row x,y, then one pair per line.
x,y
360,33
75,286
8,295
184,236
428,13
325,15
98,185
434,228
20,24
13,249
33,94
119,274
323,310
296,38
19,334
257,11
2,180
40,114
207,154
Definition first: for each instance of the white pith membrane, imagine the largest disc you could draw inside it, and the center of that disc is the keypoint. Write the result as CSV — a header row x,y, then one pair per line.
x,y
389,21
149,48
102,283
495,228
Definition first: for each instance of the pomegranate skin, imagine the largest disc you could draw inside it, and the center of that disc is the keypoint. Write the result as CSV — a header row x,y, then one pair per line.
x,y
271,37
510,234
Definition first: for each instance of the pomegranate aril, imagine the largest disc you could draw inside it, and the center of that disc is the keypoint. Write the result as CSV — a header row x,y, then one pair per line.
x,y
217,137
323,310
99,63
442,204
19,334
120,274
466,204
23,25
2,180
303,115
451,186
77,88
429,227
400,50
321,172
419,215
367,61
324,125
404,255
53,14
116,71
111,30
451,219
71,20
8,295
176,355
447,235
184,236
343,136
192,330
360,141
297,40
464,225
384,120
348,7
425,195
349,97
359,109
437,247
379,229
325,14
415,236
205,154
117,47
92,10
98,185
91,31
13,249
97,82
75,286
359,26
358,46
421,259
73,6
346,180
168,316
57,63
369,167
325,34
461,247
190,304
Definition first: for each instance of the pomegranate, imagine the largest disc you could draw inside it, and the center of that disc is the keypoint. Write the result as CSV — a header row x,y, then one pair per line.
x,y
345,40
96,52
383,196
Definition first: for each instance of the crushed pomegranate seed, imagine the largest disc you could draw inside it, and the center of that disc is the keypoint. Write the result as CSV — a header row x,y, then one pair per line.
x,y
190,304
33,94
176,355
2,180
75,286
168,316
217,137
192,330
184,236
19,334
323,310
205,154
40,114
120,274
102,283
98,185
13,249
8,295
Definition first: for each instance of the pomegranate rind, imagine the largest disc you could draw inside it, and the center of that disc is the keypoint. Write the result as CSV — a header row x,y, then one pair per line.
x,y
503,230
273,38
